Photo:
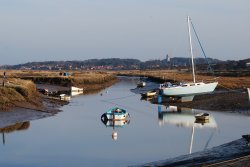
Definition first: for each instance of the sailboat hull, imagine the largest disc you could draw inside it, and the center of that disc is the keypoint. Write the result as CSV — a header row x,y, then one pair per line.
x,y
189,89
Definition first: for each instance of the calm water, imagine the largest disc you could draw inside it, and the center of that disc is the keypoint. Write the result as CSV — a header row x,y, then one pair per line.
x,y
77,137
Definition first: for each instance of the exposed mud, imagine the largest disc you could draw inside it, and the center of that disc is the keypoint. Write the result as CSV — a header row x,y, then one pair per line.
x,y
235,101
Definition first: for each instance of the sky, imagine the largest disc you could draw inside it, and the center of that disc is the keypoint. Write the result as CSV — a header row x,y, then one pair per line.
x,y
61,30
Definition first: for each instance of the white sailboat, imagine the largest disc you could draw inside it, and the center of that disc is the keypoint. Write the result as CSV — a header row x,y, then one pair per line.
x,y
187,91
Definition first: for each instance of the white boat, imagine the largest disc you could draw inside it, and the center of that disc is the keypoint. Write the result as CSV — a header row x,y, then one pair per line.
x,y
76,89
187,91
64,97
202,116
149,93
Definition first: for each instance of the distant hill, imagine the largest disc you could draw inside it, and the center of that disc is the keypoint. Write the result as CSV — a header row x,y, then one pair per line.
x,y
131,64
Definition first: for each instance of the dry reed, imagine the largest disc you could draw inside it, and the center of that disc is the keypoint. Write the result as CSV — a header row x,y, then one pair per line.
x,y
179,76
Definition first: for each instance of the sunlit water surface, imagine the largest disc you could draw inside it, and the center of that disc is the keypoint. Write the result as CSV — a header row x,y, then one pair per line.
x,y
77,137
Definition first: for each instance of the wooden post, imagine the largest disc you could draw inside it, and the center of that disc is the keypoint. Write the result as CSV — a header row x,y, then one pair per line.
x,y
4,78
3,139
248,90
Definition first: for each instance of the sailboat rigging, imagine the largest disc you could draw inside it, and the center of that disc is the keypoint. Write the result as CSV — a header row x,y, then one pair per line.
x,y
187,91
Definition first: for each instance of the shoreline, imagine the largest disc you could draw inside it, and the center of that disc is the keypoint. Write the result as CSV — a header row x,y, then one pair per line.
x,y
223,155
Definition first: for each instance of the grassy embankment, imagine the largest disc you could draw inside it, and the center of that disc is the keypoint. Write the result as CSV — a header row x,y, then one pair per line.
x,y
89,80
92,81
178,76
17,92
22,92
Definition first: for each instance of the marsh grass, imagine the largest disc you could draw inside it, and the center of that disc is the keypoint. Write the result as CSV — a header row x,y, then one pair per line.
x,y
88,78
9,94
18,90
76,78
180,76
85,78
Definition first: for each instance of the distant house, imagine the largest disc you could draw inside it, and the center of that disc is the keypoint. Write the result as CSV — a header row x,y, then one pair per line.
x,y
248,64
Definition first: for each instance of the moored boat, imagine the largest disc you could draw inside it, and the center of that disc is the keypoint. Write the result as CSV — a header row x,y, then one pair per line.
x,y
115,113
76,89
149,93
202,116
187,91
65,97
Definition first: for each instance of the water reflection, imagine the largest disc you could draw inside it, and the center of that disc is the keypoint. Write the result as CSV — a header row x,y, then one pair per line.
x,y
76,93
115,124
13,128
149,99
185,118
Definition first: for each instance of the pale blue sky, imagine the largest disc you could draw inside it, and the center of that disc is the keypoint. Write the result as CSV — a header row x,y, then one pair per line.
x,y
43,30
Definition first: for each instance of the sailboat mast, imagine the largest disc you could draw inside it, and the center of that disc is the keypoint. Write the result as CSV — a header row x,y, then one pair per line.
x,y
191,46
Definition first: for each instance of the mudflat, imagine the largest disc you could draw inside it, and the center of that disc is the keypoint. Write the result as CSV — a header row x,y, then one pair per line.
x,y
236,101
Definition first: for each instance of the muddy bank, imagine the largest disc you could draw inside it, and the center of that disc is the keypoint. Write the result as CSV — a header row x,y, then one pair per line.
x,y
20,115
225,154
218,101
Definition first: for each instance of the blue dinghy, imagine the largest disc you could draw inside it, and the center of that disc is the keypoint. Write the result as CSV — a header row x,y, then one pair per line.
x,y
115,113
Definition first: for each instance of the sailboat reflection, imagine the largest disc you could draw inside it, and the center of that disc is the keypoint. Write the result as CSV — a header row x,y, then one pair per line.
x,y
185,117
115,124
13,128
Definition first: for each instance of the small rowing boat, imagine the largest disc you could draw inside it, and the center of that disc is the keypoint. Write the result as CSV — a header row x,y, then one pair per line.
x,y
202,116
115,113
149,93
